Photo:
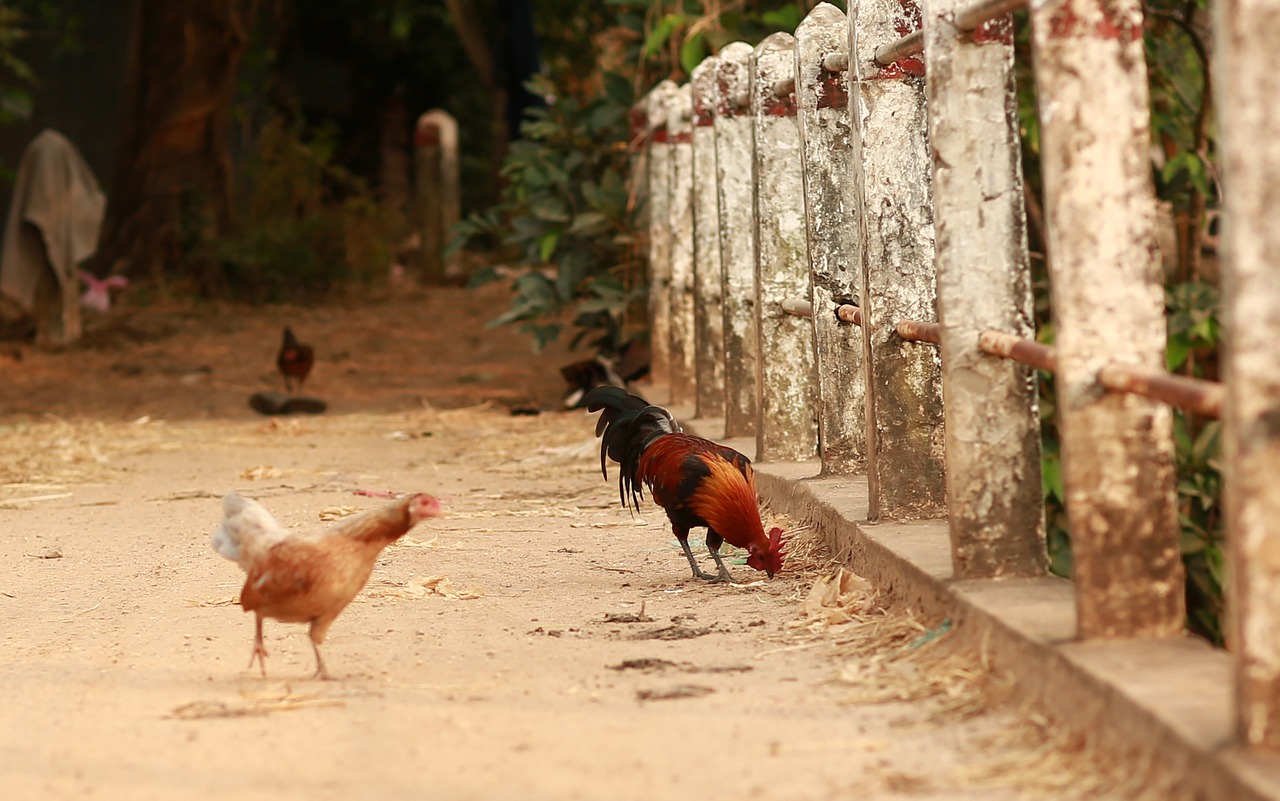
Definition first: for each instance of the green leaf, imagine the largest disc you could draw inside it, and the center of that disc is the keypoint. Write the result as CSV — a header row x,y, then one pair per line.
x,y
661,33
1051,477
485,275
692,52
547,245
1176,352
588,223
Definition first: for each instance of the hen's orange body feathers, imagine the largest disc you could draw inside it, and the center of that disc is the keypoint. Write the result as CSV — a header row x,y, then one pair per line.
x,y
308,577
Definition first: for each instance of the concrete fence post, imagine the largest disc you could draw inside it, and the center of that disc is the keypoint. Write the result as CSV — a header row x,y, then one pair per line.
x,y
1248,66
892,171
786,405
1108,306
680,139
659,175
708,292
735,145
835,258
994,499
439,203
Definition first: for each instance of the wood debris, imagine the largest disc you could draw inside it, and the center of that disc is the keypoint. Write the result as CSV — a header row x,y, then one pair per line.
x,y
674,693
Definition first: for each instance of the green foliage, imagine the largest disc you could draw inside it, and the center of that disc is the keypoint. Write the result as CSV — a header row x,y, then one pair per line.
x,y
304,224
566,215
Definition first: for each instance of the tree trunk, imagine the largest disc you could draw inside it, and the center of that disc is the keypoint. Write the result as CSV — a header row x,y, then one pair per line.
x,y
172,186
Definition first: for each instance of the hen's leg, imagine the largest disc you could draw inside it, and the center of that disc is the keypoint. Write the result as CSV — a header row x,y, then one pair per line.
x,y
714,540
259,649
319,628
320,673
683,536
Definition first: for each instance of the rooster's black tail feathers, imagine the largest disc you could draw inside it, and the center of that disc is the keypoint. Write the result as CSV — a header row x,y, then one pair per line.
x,y
626,427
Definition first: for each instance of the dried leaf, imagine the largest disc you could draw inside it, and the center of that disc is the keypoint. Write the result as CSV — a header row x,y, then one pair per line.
x,y
337,512
260,472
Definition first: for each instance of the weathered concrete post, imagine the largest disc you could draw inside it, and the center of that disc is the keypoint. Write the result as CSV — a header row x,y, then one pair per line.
x,y
1249,65
680,137
438,194
835,258
660,234
735,145
891,174
708,292
787,390
1108,305
994,500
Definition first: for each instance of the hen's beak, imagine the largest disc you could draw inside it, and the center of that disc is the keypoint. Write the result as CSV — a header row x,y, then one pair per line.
x,y
770,572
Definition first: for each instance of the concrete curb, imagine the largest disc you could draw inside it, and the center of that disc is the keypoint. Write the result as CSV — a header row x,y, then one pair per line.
x,y
1171,699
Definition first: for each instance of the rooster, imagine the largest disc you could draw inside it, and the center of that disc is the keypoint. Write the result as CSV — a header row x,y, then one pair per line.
x,y
294,360
308,577
698,482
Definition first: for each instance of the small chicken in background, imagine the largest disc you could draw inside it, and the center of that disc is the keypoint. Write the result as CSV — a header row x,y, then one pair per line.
x,y
294,360
308,577
696,481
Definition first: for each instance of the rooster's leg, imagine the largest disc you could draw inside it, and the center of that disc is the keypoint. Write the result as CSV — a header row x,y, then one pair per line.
x,y
723,575
259,649
714,541
683,537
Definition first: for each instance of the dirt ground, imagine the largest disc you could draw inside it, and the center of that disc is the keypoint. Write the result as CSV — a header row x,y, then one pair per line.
x,y
539,642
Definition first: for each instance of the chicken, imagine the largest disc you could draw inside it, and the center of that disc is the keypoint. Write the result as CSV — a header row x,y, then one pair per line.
x,y
294,360
308,577
696,481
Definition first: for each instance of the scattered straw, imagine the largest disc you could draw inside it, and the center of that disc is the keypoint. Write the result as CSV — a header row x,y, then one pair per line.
x,y
674,693
420,588
337,512
254,704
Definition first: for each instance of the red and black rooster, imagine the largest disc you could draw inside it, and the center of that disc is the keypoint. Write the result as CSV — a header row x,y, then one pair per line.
x,y
698,482
294,360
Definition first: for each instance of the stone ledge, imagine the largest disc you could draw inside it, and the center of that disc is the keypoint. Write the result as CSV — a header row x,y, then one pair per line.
x,y
1169,698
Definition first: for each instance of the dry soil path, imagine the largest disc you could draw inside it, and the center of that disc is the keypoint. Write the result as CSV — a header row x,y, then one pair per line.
x,y
488,658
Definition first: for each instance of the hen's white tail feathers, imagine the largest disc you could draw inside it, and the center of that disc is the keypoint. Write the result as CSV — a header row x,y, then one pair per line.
x,y
247,529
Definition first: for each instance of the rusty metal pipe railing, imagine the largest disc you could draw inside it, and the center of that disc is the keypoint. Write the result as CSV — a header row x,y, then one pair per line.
x,y
1198,395
797,307
848,313
919,331
908,45
1019,349
967,19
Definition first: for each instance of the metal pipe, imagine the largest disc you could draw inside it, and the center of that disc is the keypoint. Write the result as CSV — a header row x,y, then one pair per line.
x,y
967,19
919,331
908,45
836,62
797,307
1198,395
1027,351
784,87
848,313
973,15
